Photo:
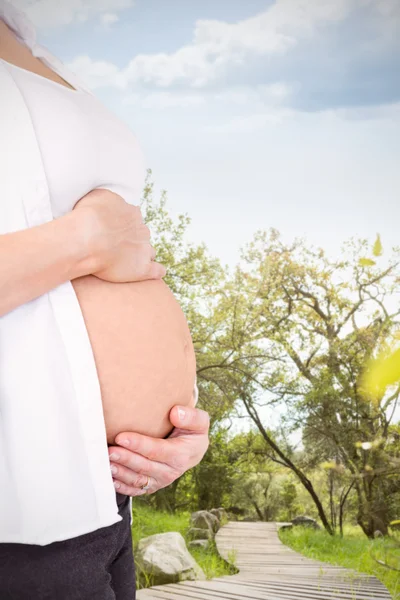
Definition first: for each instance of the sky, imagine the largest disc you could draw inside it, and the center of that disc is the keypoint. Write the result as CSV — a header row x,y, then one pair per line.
x,y
251,113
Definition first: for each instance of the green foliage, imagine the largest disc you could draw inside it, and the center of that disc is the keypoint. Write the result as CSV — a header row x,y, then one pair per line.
x,y
288,501
148,521
212,563
354,551
377,249
287,333
320,321
366,262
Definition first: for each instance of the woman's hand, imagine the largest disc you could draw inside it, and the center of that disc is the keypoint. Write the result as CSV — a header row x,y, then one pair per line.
x,y
145,460
118,242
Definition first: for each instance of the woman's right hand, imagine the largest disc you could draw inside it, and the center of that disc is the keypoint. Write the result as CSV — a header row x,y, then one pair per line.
x,y
118,240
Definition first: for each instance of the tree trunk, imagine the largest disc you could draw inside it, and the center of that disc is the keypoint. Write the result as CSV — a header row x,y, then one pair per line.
x,y
372,507
285,461
342,503
258,511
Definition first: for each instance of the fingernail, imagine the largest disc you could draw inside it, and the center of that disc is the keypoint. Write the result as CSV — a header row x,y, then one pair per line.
x,y
117,485
181,414
114,456
114,469
124,443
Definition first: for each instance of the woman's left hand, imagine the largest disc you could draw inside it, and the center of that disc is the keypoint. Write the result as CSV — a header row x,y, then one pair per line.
x,y
142,460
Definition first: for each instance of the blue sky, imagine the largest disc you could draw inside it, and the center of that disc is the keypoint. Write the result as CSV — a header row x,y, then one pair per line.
x,y
252,114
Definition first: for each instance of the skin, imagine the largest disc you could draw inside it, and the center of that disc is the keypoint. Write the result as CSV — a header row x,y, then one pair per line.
x,y
137,456
143,351
161,460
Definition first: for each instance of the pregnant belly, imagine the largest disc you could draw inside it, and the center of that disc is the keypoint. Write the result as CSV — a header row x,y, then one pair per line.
x,y
143,351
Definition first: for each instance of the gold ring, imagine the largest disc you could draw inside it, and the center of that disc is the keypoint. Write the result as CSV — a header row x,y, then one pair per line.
x,y
146,485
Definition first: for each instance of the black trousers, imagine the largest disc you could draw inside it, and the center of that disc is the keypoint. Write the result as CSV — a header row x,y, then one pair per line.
x,y
94,566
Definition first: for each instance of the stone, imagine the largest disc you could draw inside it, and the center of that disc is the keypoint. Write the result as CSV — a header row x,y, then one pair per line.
x,y
305,521
378,534
195,533
285,526
165,558
205,520
234,510
220,513
199,544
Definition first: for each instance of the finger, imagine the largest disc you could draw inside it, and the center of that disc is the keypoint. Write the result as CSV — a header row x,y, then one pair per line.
x,y
134,465
190,419
139,464
155,271
154,449
136,211
128,490
130,478
152,253
145,232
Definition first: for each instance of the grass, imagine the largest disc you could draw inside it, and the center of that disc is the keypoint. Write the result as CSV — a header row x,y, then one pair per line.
x,y
354,551
147,521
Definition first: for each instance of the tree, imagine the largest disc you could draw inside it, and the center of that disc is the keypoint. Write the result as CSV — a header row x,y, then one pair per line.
x,y
292,330
309,325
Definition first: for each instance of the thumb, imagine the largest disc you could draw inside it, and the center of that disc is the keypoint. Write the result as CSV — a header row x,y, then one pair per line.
x,y
190,419
155,271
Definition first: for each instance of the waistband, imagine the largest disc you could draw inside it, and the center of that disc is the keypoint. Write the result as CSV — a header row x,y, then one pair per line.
x,y
121,498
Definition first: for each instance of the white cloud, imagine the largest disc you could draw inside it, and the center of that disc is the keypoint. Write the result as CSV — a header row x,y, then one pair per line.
x,y
219,47
387,8
256,96
95,74
108,19
384,112
162,100
255,122
272,31
222,55
53,13
275,115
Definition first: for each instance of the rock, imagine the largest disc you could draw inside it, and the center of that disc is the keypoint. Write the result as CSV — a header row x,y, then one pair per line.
x,y
306,522
195,533
205,520
285,526
234,510
165,558
199,544
378,534
220,513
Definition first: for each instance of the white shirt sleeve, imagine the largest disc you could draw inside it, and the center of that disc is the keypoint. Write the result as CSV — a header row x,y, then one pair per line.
x,y
195,392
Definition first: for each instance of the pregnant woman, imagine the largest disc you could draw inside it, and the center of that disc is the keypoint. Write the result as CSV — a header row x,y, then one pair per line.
x,y
93,345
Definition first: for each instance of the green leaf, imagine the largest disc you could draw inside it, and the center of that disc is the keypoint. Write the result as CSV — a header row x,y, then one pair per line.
x,y
366,262
382,372
377,249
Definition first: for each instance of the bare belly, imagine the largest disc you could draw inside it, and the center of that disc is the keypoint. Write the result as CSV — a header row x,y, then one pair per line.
x,y
143,351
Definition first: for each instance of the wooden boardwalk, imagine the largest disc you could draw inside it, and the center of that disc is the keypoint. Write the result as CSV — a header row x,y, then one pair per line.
x,y
270,571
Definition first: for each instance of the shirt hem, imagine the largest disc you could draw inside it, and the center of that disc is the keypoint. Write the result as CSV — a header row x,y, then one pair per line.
x,y
59,537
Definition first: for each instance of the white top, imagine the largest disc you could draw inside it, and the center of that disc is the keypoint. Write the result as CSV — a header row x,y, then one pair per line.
x,y
55,477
